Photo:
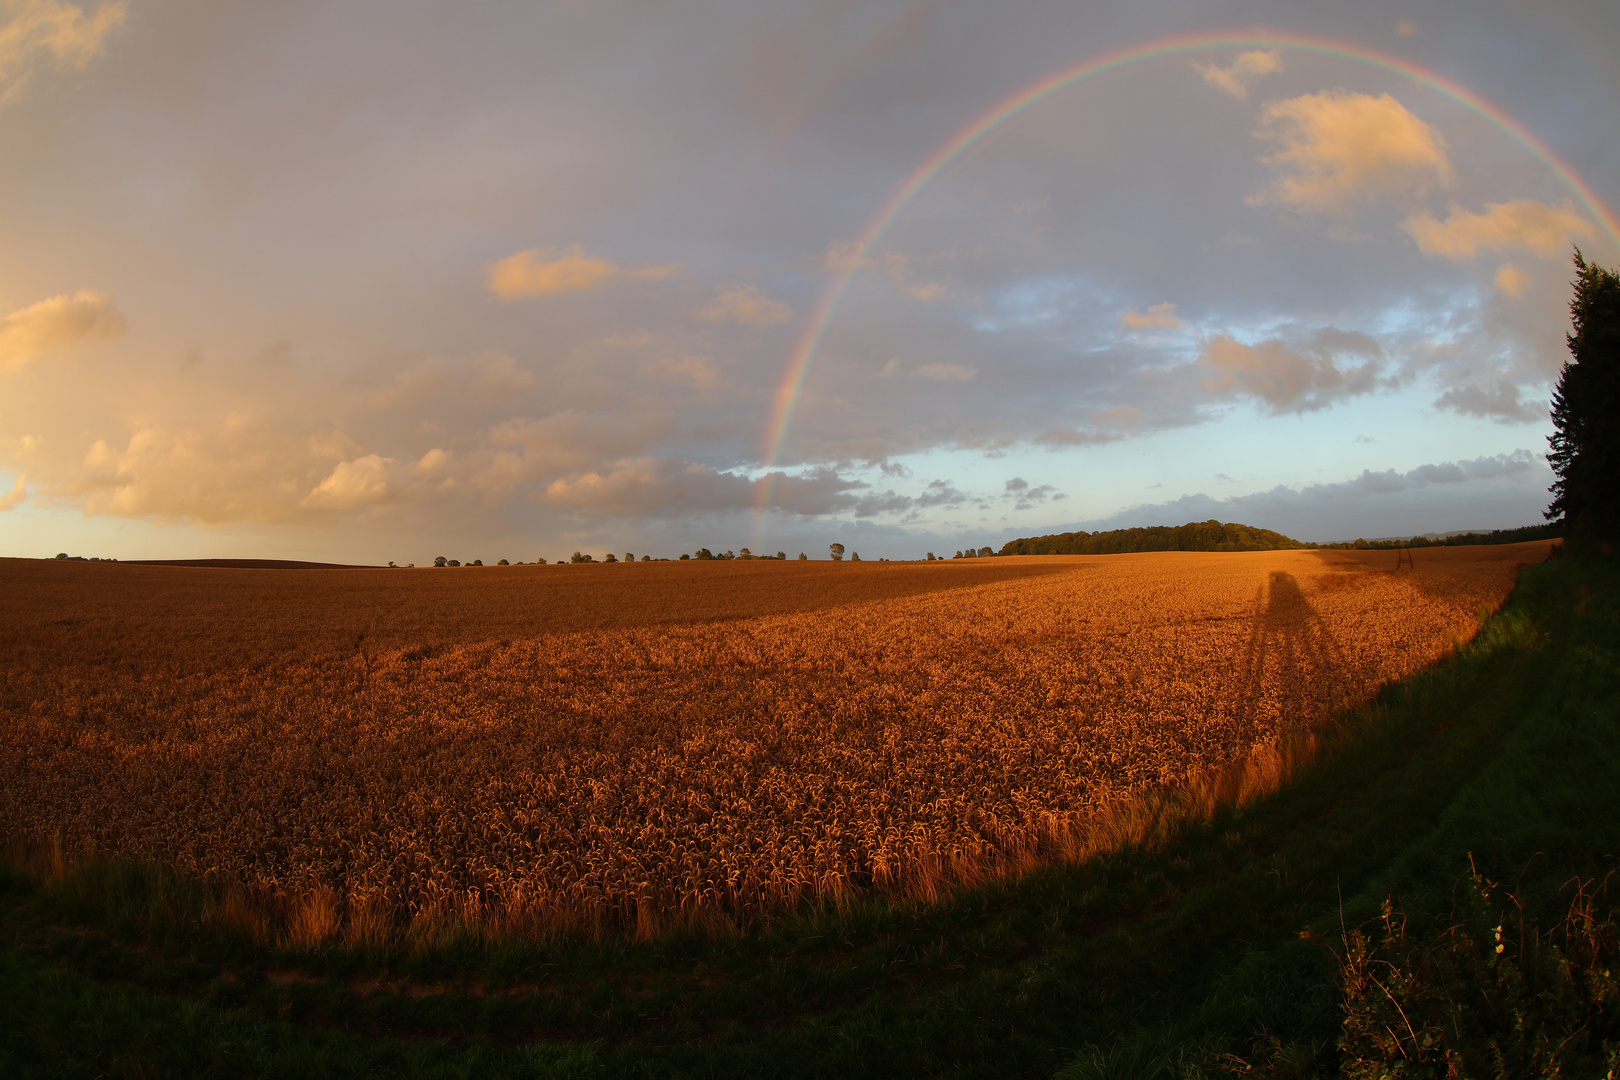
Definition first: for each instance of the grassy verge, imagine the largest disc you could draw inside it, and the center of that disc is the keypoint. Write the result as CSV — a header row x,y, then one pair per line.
x,y
1168,956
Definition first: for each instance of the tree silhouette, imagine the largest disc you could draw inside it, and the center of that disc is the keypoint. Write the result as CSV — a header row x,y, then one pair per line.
x,y
1585,444
837,551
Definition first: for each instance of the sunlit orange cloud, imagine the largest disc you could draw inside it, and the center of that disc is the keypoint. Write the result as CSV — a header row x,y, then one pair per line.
x,y
37,29
364,481
745,304
1524,224
1235,78
51,324
1158,317
19,491
537,272
1339,146
1510,279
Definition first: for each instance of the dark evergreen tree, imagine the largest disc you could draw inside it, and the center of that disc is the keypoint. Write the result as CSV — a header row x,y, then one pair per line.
x,y
1585,444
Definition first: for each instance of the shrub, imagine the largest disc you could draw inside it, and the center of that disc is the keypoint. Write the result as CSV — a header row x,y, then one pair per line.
x,y
1484,993
441,561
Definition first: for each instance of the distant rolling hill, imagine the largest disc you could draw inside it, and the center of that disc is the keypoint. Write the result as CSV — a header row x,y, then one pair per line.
x,y
247,564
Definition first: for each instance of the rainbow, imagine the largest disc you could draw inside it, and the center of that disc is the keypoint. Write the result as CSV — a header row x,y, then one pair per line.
x,y
809,341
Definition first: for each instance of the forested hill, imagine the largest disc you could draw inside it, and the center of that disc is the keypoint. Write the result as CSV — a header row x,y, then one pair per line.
x,y
1193,536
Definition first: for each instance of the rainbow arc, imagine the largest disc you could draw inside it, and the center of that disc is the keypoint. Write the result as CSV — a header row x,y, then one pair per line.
x,y
854,255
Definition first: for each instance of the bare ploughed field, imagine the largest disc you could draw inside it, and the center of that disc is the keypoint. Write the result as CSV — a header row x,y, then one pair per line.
x,y
620,745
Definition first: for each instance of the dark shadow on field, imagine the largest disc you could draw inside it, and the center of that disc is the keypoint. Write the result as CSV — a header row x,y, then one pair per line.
x,y
1291,646
1434,571
207,616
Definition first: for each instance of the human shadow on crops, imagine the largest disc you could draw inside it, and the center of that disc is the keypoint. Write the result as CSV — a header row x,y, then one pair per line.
x,y
1292,654
1437,572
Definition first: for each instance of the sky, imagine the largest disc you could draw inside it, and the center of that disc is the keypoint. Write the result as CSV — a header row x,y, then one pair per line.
x,y
364,281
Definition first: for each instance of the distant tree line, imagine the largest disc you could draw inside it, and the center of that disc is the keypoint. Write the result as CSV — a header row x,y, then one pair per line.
x,y
1469,539
704,555
1194,536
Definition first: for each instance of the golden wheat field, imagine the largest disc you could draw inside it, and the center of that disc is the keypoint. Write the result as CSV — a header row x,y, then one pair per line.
x,y
624,746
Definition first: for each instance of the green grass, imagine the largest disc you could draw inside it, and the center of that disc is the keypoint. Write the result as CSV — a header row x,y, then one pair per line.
x,y
1140,963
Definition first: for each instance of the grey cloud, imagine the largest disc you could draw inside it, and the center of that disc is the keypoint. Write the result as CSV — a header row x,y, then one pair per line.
x,y
277,354
940,493
1489,492
1018,489
1288,379
655,487
1498,401
887,502
1448,472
